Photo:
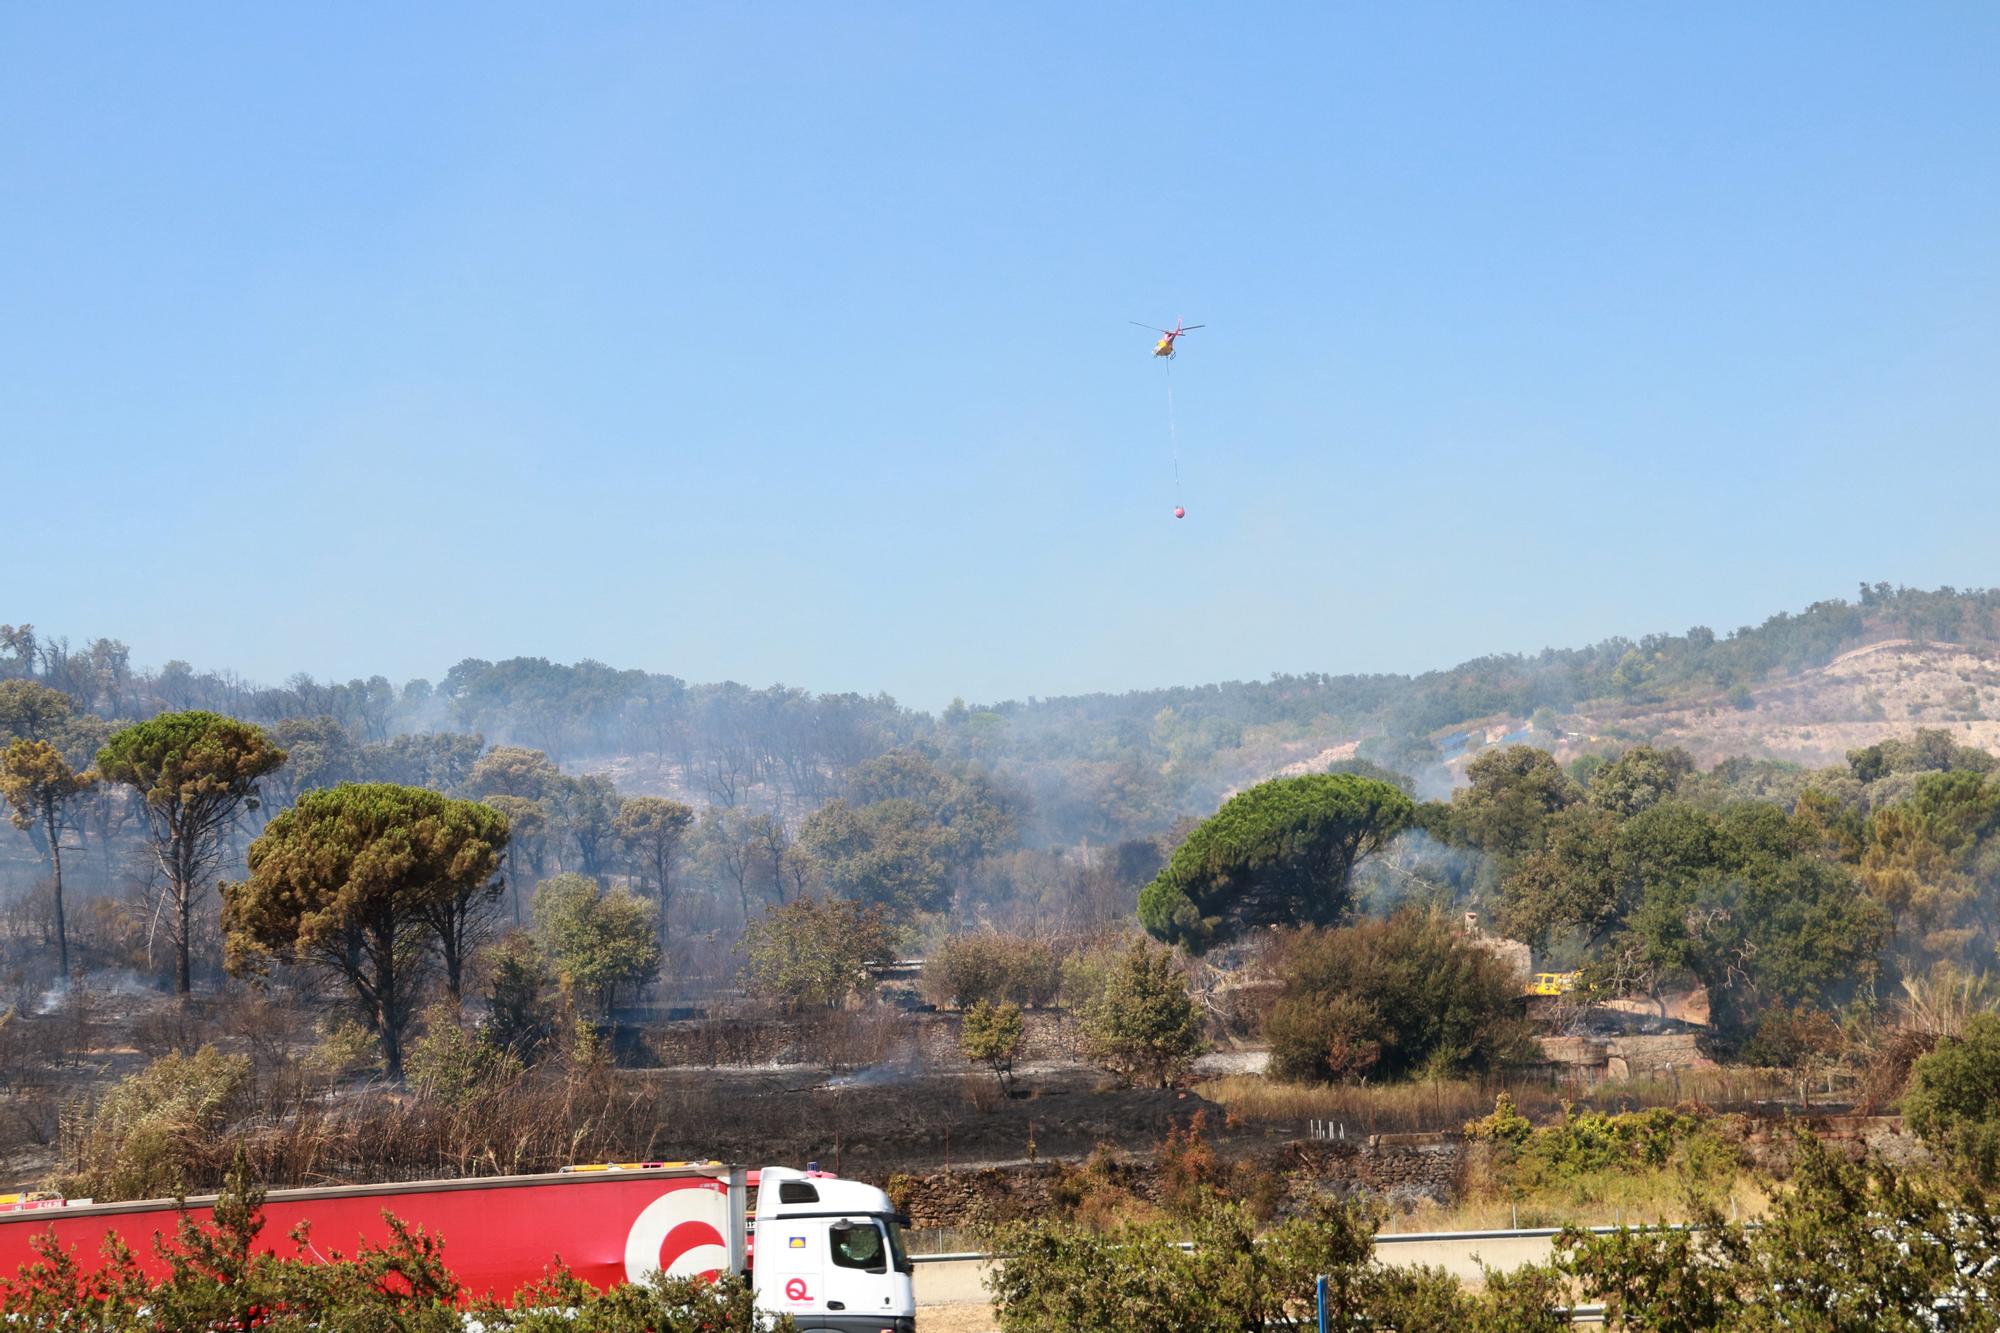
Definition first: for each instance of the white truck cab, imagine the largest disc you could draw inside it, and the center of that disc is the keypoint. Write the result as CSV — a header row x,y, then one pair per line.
x,y
829,1253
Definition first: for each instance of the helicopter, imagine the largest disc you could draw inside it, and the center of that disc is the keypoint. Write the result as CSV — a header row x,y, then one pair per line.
x,y
1165,347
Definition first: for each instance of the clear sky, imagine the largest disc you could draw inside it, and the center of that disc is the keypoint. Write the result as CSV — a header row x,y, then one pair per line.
x,y
788,342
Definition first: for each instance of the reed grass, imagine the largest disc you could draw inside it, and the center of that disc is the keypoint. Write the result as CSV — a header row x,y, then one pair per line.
x,y
1404,1108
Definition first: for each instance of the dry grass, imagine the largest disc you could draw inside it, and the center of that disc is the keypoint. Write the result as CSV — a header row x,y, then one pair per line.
x,y
299,1131
1649,1201
1496,1195
1404,1108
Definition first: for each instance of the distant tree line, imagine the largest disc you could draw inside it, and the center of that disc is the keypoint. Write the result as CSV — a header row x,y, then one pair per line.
x,y
1103,767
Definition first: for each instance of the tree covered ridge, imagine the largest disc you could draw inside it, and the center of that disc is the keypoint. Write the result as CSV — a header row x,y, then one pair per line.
x,y
1100,765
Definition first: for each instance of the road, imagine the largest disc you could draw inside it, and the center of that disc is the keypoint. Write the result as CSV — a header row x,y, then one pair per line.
x,y
950,1298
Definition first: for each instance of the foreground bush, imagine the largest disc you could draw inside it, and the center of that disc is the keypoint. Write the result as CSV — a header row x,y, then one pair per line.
x,y
1634,1159
1845,1249
219,1280
1137,1279
563,1304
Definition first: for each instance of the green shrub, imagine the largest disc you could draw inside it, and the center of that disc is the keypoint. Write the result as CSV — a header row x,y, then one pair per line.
x,y
1142,1024
141,1140
1138,1279
1591,1156
561,1303
1506,1124
991,1035
987,965
218,1279
1843,1247
452,1064
344,1047
520,1017
1954,1097
1388,999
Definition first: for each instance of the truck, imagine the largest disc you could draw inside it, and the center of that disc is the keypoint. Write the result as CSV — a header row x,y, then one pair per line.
x,y
827,1251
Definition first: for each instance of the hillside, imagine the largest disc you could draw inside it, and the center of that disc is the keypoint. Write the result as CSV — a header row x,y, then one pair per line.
x,y
1811,717
1802,687
1815,716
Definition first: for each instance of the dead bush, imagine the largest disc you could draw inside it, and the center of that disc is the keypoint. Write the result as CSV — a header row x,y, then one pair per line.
x,y
1885,1069
1103,1193
983,1096
164,1026
859,1039
31,1119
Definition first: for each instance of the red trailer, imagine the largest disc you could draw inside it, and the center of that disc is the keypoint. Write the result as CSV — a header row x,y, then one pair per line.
x,y
609,1224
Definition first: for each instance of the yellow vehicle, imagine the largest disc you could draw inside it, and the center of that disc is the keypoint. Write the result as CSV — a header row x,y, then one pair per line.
x,y
1554,983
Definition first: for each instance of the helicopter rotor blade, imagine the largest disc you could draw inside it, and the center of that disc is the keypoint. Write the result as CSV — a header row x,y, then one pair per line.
x,y
1154,327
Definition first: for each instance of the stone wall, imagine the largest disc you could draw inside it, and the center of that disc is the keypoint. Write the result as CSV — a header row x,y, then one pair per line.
x,y
1767,1141
957,1199
1613,1058
1047,1036
1401,1168
710,1042
1644,1056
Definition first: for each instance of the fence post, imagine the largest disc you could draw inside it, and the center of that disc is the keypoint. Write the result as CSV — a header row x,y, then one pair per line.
x,y
1319,1291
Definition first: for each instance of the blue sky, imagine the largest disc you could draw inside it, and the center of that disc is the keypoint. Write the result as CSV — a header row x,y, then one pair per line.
x,y
788,342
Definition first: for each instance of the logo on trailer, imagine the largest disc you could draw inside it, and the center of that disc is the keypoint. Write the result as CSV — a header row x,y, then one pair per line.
x,y
795,1290
679,1232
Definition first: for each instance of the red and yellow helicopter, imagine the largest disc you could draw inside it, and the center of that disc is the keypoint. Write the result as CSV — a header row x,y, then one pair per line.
x,y
1165,347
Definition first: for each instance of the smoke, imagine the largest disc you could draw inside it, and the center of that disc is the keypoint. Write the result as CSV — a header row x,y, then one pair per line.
x,y
1416,870
108,982
875,1076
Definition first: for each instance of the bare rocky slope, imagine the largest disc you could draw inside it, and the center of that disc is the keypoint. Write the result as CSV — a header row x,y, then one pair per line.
x,y
1815,717
1812,718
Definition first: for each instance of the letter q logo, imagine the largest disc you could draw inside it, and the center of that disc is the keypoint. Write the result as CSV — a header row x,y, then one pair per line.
x,y
680,1232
